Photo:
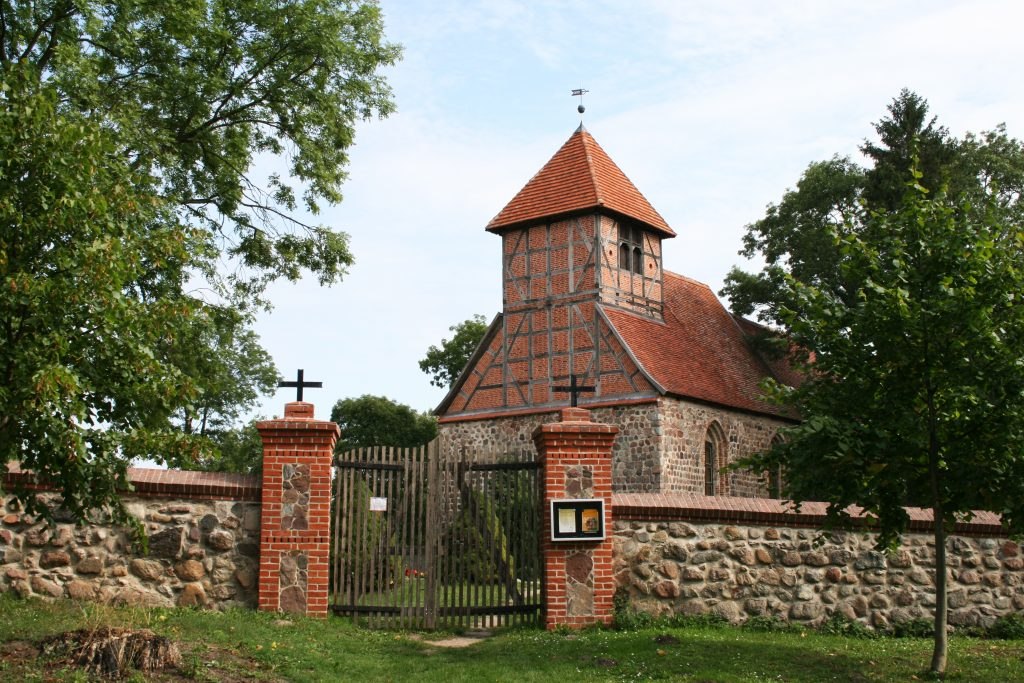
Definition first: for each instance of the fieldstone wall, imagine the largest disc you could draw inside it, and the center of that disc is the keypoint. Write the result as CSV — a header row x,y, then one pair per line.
x,y
676,565
203,551
636,462
660,446
684,425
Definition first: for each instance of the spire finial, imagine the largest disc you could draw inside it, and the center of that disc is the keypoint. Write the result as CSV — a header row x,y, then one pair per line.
x,y
580,92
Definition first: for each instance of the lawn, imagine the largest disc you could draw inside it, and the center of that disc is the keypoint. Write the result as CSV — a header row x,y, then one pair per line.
x,y
251,646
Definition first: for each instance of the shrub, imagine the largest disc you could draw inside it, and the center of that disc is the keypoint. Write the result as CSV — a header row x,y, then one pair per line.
x,y
915,628
1008,627
767,623
840,625
626,618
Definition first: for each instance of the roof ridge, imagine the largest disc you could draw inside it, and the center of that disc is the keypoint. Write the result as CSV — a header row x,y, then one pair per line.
x,y
579,177
598,193
669,273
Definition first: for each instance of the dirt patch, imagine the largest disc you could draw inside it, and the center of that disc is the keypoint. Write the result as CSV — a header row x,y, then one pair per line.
x,y
18,651
465,640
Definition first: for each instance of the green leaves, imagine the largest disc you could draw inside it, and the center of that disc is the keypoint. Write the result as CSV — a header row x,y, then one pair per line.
x,y
446,362
916,391
129,132
378,421
195,91
917,381
86,381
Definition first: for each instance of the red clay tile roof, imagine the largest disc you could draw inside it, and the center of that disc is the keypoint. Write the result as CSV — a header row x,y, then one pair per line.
x,y
782,369
700,351
580,176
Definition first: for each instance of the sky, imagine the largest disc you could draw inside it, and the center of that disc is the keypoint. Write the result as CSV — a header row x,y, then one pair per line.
x,y
712,108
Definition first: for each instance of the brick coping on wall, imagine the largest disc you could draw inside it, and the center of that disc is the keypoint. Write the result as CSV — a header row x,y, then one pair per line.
x,y
692,507
157,483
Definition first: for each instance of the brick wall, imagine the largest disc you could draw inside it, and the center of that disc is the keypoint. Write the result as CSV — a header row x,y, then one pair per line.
x,y
295,511
576,456
638,292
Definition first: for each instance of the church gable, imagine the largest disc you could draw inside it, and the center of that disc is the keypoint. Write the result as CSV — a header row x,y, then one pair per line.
x,y
528,352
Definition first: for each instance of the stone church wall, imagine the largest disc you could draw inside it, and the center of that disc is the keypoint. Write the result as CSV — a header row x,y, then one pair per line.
x,y
660,446
699,561
635,462
684,425
203,551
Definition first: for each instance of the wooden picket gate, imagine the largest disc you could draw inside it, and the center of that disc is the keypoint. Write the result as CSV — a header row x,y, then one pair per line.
x,y
427,538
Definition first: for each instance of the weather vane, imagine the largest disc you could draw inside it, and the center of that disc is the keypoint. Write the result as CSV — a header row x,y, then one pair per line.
x,y
580,92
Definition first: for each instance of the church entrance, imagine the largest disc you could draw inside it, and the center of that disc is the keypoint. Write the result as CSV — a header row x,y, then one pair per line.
x,y
428,538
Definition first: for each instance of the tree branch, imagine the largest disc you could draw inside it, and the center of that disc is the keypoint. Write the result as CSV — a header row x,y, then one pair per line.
x,y
60,13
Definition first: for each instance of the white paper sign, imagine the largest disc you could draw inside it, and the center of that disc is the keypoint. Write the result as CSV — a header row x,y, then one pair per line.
x,y
566,521
378,505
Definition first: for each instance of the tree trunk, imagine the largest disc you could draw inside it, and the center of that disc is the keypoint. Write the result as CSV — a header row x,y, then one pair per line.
x,y
941,608
939,533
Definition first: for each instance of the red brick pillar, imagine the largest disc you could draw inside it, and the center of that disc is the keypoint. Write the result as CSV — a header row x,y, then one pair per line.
x,y
295,520
576,455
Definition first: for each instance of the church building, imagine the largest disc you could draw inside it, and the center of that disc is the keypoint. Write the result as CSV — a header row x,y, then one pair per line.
x,y
586,294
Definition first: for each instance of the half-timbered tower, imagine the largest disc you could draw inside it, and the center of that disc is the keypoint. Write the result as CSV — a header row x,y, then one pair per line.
x,y
585,293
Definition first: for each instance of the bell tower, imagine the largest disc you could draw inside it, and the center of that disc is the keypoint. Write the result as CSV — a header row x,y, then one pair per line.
x,y
579,236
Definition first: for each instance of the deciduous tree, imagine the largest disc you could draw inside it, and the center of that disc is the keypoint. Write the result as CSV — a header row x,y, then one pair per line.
x,y
133,217
197,92
236,449
916,390
379,421
230,376
446,362
92,266
795,237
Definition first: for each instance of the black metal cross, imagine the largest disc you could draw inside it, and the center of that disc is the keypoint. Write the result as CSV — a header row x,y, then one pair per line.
x,y
300,384
574,390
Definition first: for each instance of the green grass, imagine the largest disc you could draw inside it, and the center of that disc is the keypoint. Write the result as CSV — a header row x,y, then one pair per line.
x,y
413,593
247,646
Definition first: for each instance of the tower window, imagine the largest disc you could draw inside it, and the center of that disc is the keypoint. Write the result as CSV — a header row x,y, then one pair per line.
x,y
631,253
624,255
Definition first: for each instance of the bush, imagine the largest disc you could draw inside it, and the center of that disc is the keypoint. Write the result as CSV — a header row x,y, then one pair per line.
x,y
1009,627
915,628
626,618
767,623
839,625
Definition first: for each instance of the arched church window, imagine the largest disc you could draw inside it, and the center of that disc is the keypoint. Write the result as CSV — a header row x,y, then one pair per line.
x,y
638,260
714,460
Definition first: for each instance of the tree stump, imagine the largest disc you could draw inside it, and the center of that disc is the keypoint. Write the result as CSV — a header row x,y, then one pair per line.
x,y
111,652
